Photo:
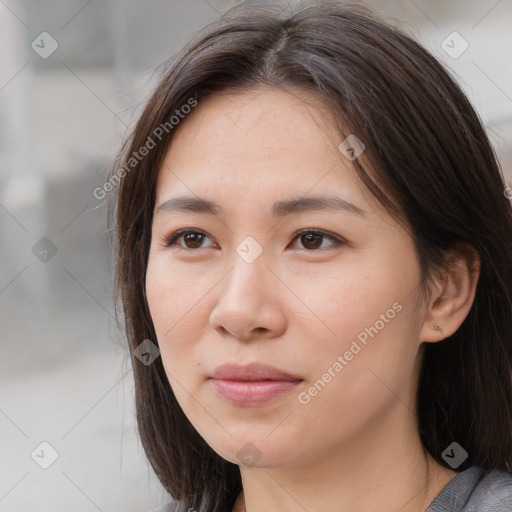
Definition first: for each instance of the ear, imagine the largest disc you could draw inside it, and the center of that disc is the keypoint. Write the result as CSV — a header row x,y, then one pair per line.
x,y
452,295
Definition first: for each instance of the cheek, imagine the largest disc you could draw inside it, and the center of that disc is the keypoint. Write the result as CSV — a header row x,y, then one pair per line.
x,y
349,304
177,305
159,297
368,325
363,370
172,295
163,306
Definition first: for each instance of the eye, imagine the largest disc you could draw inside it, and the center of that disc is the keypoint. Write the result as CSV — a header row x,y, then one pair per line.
x,y
192,238
312,239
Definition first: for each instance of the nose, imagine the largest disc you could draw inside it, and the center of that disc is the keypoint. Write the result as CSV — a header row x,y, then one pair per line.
x,y
249,303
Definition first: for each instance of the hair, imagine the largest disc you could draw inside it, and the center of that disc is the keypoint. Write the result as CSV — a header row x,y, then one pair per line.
x,y
427,160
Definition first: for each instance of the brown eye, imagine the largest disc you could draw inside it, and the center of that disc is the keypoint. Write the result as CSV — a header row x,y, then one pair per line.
x,y
192,239
312,240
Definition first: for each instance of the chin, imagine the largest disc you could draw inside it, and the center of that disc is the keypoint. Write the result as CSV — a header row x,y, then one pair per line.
x,y
250,452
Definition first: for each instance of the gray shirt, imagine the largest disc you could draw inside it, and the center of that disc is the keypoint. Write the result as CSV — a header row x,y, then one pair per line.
x,y
475,490
472,490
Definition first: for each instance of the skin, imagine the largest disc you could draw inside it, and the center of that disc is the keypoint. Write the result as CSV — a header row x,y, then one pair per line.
x,y
298,306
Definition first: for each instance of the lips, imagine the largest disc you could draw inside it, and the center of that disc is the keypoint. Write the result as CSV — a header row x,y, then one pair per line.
x,y
252,384
252,372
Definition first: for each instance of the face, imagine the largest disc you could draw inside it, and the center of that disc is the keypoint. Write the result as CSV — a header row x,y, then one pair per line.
x,y
324,294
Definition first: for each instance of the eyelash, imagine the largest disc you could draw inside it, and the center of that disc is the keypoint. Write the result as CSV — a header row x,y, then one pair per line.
x,y
173,238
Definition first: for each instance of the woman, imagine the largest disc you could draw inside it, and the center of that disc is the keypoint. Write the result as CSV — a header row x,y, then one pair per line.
x,y
315,266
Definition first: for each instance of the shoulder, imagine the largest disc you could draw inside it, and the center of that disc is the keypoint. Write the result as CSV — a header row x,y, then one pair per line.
x,y
493,492
475,490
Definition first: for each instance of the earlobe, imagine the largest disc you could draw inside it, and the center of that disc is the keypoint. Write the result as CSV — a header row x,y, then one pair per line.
x,y
453,296
439,328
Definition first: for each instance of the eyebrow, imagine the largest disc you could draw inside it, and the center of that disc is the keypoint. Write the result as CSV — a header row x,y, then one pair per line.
x,y
184,204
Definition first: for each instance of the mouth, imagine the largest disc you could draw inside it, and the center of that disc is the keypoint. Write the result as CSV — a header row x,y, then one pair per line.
x,y
252,384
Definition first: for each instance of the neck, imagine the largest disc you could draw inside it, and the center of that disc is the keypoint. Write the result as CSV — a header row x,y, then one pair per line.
x,y
382,468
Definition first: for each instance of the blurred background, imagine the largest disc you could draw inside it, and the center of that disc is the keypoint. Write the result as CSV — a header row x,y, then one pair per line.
x,y
73,77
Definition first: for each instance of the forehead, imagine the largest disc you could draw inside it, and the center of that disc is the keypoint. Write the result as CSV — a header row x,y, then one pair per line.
x,y
264,142
260,109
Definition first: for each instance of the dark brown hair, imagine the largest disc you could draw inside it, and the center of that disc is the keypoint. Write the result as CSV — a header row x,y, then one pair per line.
x,y
427,160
